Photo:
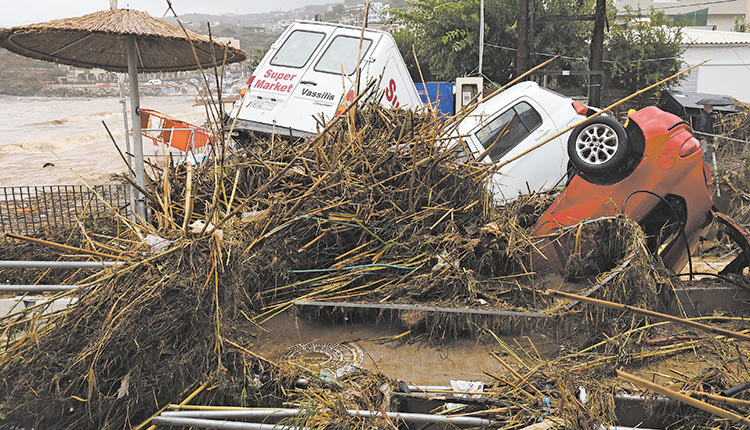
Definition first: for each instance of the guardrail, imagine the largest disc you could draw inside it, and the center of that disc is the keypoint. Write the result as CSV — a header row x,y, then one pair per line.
x,y
27,209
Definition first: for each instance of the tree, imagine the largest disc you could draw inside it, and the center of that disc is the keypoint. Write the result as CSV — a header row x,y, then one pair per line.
x,y
405,39
447,34
643,51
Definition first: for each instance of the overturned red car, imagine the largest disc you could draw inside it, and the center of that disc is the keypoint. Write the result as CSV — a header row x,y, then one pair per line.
x,y
652,169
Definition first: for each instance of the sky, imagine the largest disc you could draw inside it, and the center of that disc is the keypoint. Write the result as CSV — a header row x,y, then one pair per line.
x,y
17,12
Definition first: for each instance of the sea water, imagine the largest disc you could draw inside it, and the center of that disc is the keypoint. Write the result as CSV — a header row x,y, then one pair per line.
x,y
68,136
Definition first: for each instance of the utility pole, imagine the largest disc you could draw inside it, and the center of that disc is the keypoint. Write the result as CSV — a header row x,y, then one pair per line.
x,y
522,55
481,35
597,52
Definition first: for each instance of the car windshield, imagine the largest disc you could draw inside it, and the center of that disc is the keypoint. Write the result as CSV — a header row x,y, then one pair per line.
x,y
297,49
508,130
342,54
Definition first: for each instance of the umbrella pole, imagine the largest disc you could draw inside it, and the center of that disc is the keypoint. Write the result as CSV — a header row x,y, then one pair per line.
x,y
140,204
123,102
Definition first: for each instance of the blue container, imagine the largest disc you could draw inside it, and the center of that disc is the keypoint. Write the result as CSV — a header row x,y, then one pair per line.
x,y
440,95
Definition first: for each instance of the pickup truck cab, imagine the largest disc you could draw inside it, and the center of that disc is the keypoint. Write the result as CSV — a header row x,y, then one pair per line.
x,y
309,72
510,123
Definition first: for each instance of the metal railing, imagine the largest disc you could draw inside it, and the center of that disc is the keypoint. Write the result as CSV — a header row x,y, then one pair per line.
x,y
24,210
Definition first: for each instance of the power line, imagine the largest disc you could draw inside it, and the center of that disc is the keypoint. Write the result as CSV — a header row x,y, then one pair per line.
x,y
693,4
577,58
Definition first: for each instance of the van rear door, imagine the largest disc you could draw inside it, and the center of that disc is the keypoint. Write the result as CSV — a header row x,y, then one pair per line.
x,y
306,76
331,77
278,75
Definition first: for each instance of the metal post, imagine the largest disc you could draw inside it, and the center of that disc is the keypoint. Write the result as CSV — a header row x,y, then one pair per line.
x,y
140,204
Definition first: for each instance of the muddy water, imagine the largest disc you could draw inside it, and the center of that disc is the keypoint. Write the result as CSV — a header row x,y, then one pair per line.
x,y
68,133
416,362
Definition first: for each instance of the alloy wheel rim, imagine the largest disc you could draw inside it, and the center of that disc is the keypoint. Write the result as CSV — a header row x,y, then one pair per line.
x,y
597,144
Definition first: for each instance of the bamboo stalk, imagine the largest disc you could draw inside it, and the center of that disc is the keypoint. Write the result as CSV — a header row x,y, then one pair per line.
x,y
728,400
619,306
520,378
188,197
683,398
247,351
65,247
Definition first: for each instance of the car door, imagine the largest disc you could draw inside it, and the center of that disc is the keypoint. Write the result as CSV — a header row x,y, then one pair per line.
x,y
507,134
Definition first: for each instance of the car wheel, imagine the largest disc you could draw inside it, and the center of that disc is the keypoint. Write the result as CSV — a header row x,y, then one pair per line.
x,y
599,148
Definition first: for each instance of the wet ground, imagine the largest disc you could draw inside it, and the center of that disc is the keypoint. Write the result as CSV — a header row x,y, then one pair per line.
x,y
418,362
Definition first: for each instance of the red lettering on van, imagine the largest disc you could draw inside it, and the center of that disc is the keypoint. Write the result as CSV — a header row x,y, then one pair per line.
x,y
279,76
390,94
272,86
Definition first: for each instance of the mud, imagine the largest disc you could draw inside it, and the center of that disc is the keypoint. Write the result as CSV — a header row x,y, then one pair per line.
x,y
416,361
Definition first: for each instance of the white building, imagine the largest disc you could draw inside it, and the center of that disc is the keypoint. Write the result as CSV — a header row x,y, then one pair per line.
x,y
728,72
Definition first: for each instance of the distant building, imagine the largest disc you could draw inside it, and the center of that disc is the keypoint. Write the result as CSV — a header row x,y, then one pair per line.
x,y
85,76
377,14
278,25
231,41
713,15
255,28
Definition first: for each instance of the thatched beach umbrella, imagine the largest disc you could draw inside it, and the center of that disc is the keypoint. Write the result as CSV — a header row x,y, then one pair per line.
x,y
120,40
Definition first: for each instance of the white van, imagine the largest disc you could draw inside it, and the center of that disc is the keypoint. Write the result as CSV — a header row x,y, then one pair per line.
x,y
310,71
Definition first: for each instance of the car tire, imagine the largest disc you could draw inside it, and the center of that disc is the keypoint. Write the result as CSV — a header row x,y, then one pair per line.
x,y
599,149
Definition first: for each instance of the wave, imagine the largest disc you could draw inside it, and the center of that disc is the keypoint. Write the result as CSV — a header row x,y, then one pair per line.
x,y
75,119
53,143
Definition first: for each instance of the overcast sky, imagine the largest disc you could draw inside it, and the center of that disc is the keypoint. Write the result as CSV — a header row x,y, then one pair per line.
x,y
17,12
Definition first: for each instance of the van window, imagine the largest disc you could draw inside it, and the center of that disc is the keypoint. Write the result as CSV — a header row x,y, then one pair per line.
x,y
509,129
297,48
342,51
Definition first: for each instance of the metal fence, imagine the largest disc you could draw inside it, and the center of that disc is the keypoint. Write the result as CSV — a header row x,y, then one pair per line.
x,y
24,210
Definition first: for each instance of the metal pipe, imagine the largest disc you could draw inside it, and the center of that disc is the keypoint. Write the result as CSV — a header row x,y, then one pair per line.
x,y
425,418
425,388
215,424
603,427
37,288
403,307
18,264
280,413
235,414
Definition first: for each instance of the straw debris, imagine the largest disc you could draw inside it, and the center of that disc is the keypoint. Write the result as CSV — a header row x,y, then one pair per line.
x,y
378,208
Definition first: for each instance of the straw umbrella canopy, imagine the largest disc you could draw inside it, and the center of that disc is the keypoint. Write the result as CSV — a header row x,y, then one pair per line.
x,y
120,40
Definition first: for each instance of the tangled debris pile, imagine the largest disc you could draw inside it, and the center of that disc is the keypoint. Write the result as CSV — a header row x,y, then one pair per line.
x,y
378,208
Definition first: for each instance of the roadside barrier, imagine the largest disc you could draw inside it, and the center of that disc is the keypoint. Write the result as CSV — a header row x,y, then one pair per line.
x,y
26,209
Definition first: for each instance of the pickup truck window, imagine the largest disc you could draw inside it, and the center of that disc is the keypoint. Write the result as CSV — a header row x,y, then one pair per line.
x,y
509,129
297,49
342,51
